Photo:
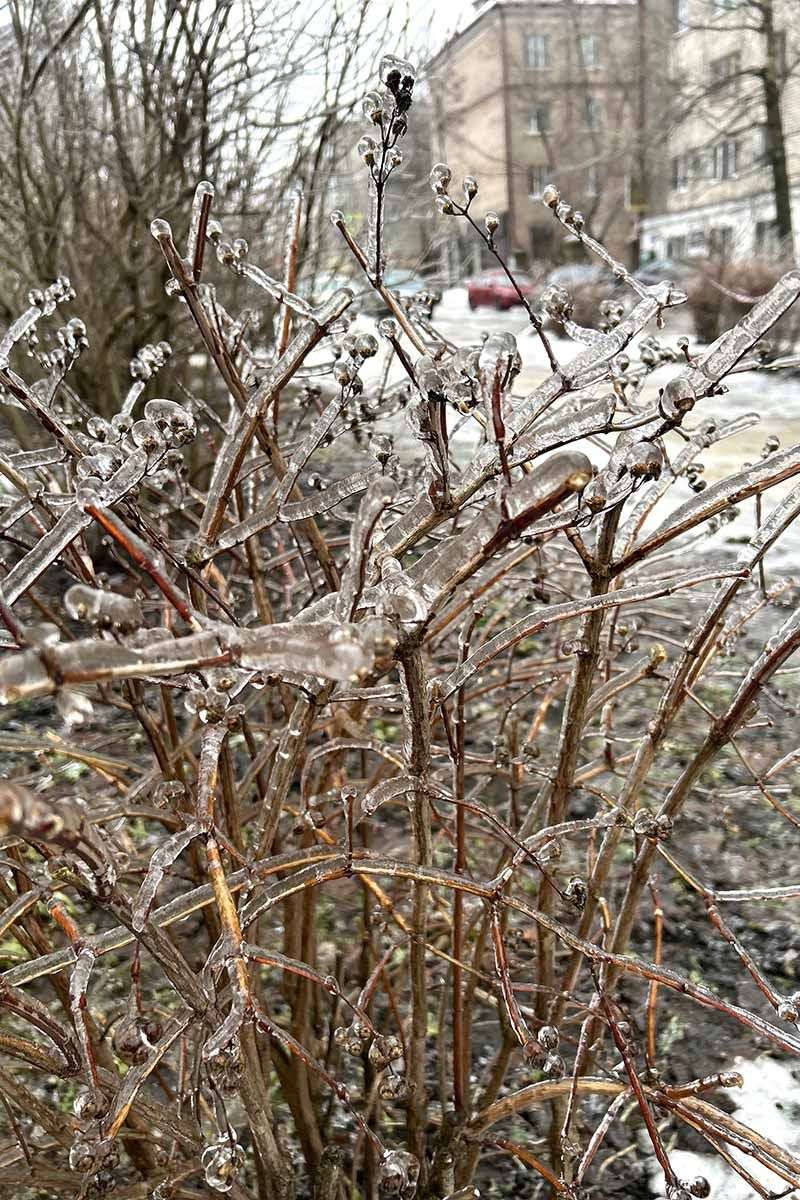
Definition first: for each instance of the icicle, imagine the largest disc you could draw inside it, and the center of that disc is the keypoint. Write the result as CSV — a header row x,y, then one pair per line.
x,y
375,218
378,498
541,618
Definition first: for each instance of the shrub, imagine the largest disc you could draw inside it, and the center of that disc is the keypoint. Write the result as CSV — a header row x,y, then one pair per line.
x,y
722,292
342,776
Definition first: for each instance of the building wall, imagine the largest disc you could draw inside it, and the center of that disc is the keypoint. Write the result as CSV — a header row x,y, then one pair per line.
x,y
593,167
708,204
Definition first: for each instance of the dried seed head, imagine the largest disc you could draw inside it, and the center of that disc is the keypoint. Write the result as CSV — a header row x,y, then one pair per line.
x,y
548,1037
385,1049
398,1173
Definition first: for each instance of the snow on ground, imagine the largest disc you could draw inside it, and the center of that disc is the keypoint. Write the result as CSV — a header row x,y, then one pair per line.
x,y
769,1103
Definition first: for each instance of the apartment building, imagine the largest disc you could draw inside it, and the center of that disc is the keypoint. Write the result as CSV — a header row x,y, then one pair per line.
x,y
533,92
721,196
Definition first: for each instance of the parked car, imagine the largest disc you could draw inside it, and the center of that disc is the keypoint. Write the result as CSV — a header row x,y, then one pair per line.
x,y
659,269
404,284
577,275
494,289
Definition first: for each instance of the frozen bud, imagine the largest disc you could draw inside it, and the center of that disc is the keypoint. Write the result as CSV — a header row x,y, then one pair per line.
x,y
385,1049
222,1161
576,892
644,823
372,107
492,222
398,1173
169,793
771,444
366,345
394,1087
595,495
548,1037
367,149
337,218
387,328
444,206
733,1078
394,158
240,247
161,230
90,1104
551,196
644,460
470,187
380,446
677,398
146,435
578,220
663,827
699,1186
344,371
553,1067
787,1011
440,178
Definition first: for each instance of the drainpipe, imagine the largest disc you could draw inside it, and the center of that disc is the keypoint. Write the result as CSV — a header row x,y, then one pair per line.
x,y
510,214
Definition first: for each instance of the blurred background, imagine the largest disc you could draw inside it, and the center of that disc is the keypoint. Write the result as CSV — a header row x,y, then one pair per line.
x,y
672,125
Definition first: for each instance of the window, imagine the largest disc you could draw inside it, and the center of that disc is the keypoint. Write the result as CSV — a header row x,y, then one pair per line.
x,y
592,181
681,11
592,112
697,241
537,180
725,159
721,241
761,147
538,51
589,50
676,248
539,119
726,69
725,5
680,173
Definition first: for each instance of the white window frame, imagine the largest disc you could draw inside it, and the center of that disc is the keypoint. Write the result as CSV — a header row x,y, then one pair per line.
x,y
534,169
681,16
592,61
726,160
537,51
535,128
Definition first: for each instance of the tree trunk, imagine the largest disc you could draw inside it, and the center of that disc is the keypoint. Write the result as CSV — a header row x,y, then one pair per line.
x,y
776,143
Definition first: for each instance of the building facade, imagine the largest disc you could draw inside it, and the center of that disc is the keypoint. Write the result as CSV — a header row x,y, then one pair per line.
x,y
533,92
721,194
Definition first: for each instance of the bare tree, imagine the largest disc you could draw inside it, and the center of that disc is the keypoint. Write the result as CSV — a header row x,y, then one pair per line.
x,y
742,60
117,108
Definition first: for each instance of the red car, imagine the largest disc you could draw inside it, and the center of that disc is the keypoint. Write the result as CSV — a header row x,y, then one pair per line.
x,y
494,289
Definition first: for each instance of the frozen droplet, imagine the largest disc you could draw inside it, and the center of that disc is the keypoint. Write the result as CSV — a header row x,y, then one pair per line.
x,y
398,1173
440,177
367,149
74,708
